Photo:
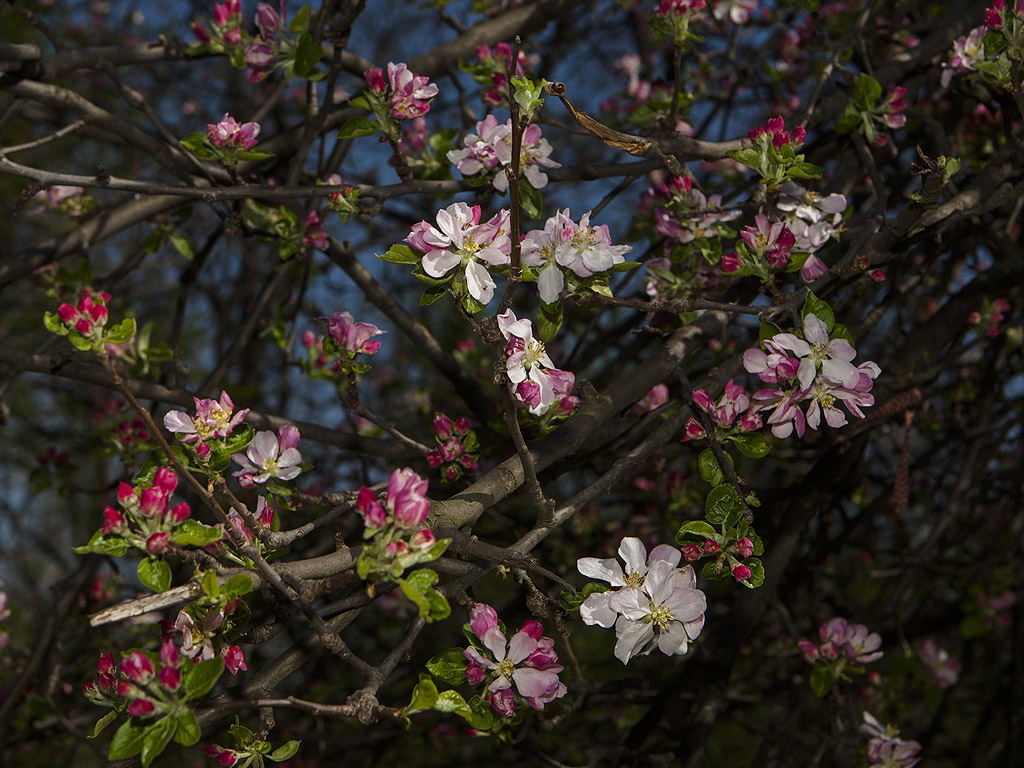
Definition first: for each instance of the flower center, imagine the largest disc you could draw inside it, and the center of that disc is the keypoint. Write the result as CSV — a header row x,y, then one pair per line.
x,y
534,350
634,580
507,668
661,616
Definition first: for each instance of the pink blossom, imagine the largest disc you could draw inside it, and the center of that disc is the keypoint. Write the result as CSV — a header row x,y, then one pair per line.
x,y
373,513
137,667
538,383
407,500
213,419
270,456
740,572
352,336
228,133
221,756
410,93
745,547
141,708
234,659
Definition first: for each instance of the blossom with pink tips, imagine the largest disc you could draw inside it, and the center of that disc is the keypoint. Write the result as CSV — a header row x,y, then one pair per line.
x,y
460,240
270,456
885,748
234,659
538,383
967,52
351,336
213,419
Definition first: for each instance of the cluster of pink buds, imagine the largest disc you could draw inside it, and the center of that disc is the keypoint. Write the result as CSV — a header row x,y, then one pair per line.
x,y
998,15
775,133
258,53
89,316
732,412
320,363
147,686
226,25
314,234
493,71
491,147
148,521
886,749
992,313
129,435
214,419
343,203
222,756
396,539
526,664
735,551
672,18
346,340
842,640
405,94
458,449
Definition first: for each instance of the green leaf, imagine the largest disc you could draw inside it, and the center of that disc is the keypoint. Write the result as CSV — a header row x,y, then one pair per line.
x,y
452,701
357,127
811,5
756,577
549,320
188,732
200,146
471,305
239,438
202,677
192,533
449,666
625,266
749,157
438,608
79,342
814,305
300,22
156,738
424,695
211,587
240,733
804,171
710,571
850,120
723,506
418,587
694,532
237,586
840,332
112,545
433,294
54,324
122,332
530,200
752,445
767,330
155,574
400,254
307,55
102,723
571,602
254,153
127,740
285,751
821,678
710,469
481,714
866,92
182,246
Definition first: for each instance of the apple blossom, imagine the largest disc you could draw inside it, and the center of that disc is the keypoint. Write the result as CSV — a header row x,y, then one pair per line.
x,y
527,661
885,748
230,134
270,456
213,419
538,383
595,609
587,250
666,611
461,240
942,668
350,336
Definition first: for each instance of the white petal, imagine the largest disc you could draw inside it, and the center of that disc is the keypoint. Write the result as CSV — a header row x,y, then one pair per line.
x,y
438,263
631,638
595,610
606,570
633,554
479,282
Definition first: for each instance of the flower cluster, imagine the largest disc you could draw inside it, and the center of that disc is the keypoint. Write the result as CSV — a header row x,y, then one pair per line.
x,y
942,668
732,413
492,72
566,249
491,147
458,448
198,641
817,369
683,214
89,316
407,94
249,750
991,314
672,18
268,49
149,510
654,603
270,456
396,539
230,134
148,685
775,153
538,384
214,420
70,200
763,249
346,340
525,664
885,748
737,11
813,220
344,203
460,240
842,640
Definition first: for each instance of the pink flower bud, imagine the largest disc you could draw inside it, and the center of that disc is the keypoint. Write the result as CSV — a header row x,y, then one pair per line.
x,y
443,426
375,79
373,513
153,502
234,659
482,619
741,572
731,262
422,540
170,677
169,656
179,513
157,543
165,480
745,547
474,673
434,459
66,312
533,628
710,547
113,521
691,552
137,667
141,708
